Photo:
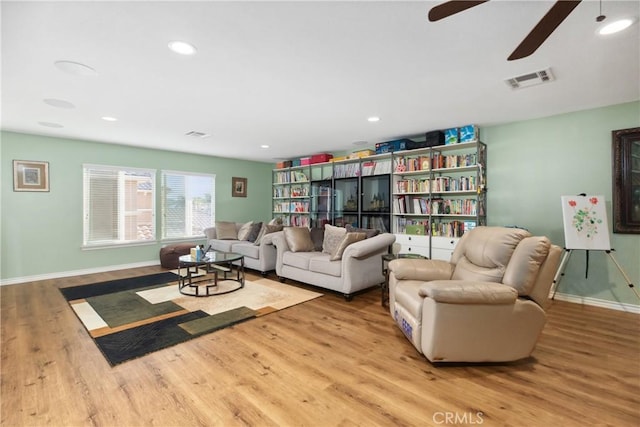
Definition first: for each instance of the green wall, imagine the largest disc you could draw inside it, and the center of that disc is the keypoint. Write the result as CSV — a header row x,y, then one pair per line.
x,y
532,163
42,232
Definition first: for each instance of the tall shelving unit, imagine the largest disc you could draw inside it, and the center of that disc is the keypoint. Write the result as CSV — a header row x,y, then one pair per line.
x,y
291,195
438,194
353,191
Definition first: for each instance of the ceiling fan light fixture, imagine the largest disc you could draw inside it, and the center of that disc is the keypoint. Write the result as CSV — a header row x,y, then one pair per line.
x,y
615,26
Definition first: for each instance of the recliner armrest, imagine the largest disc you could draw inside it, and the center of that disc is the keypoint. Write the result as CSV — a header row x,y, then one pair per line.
x,y
468,292
421,269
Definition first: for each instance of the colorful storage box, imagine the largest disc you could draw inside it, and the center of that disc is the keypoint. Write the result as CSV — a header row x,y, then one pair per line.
x,y
391,146
321,158
295,162
468,133
305,161
284,164
360,154
451,136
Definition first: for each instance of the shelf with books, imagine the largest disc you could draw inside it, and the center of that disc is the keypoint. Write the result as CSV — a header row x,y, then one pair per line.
x,y
290,195
439,191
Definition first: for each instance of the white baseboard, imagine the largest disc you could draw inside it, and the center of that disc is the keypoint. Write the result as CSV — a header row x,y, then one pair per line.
x,y
614,305
25,279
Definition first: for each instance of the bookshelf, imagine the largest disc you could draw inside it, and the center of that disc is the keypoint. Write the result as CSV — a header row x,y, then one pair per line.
x,y
438,194
352,191
291,195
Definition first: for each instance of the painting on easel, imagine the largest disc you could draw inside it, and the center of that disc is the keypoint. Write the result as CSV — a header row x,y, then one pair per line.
x,y
585,222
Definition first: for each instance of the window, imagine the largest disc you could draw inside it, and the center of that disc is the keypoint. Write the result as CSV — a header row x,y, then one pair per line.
x,y
118,205
188,204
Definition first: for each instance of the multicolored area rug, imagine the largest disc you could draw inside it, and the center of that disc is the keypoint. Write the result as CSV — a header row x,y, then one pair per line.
x,y
132,317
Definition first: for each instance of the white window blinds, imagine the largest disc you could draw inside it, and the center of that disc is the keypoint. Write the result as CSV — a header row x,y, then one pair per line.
x,y
188,204
119,205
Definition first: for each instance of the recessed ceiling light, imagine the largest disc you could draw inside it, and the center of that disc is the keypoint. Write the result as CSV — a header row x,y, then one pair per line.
x,y
182,48
264,146
615,26
75,68
59,103
109,119
50,124
374,119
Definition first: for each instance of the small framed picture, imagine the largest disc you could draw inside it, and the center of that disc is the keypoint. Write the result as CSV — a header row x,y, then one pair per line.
x,y
238,187
30,176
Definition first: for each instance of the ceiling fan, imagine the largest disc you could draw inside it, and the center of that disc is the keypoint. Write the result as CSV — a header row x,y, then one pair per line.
x,y
549,22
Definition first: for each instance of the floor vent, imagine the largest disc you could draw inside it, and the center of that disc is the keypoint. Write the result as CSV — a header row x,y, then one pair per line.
x,y
530,79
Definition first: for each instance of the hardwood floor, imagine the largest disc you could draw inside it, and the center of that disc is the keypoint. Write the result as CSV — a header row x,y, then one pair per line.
x,y
323,363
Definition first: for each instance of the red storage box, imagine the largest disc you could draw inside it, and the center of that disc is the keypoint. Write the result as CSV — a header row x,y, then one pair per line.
x,y
304,161
321,158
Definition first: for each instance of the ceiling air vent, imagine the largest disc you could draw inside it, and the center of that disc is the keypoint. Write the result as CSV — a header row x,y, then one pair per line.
x,y
530,79
197,134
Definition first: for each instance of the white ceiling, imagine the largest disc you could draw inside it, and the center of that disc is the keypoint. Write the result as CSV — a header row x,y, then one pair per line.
x,y
300,76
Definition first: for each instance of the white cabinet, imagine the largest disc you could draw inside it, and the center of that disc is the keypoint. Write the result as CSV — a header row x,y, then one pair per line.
x,y
408,244
442,247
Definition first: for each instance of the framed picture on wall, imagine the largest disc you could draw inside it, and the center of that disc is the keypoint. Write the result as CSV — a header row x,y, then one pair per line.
x,y
238,187
30,175
626,180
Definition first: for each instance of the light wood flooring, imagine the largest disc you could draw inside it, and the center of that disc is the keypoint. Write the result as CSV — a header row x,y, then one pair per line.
x,y
326,362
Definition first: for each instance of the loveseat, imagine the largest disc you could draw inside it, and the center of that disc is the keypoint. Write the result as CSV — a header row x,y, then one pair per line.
x,y
334,258
251,239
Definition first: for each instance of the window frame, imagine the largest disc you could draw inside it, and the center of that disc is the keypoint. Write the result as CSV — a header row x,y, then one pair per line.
x,y
163,227
86,206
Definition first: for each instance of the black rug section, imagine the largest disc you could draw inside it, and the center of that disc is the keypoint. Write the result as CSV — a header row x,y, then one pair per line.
x,y
97,289
132,343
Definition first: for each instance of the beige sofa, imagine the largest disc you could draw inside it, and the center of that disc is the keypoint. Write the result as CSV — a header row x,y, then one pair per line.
x,y
259,252
359,266
485,305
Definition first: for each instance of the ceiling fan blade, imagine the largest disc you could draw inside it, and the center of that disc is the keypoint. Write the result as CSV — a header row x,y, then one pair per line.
x,y
549,22
451,8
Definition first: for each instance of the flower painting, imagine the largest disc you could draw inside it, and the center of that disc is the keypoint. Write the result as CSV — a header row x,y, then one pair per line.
x,y
585,222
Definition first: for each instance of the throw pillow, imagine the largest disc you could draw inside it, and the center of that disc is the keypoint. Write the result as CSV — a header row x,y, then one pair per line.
x,y
348,239
244,231
317,237
266,229
226,230
255,230
298,239
370,232
276,221
332,237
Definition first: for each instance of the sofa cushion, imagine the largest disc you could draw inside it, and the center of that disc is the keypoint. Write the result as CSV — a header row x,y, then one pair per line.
x,y
298,259
370,232
317,237
244,230
255,230
322,264
226,230
298,239
332,237
247,249
348,239
266,229
222,245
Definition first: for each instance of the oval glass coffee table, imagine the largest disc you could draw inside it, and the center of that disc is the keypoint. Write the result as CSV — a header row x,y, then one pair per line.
x,y
216,263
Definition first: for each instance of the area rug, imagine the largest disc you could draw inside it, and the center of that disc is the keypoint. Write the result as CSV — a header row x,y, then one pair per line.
x,y
132,317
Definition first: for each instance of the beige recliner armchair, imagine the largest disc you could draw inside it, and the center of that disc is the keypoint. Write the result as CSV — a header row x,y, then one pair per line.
x,y
485,305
